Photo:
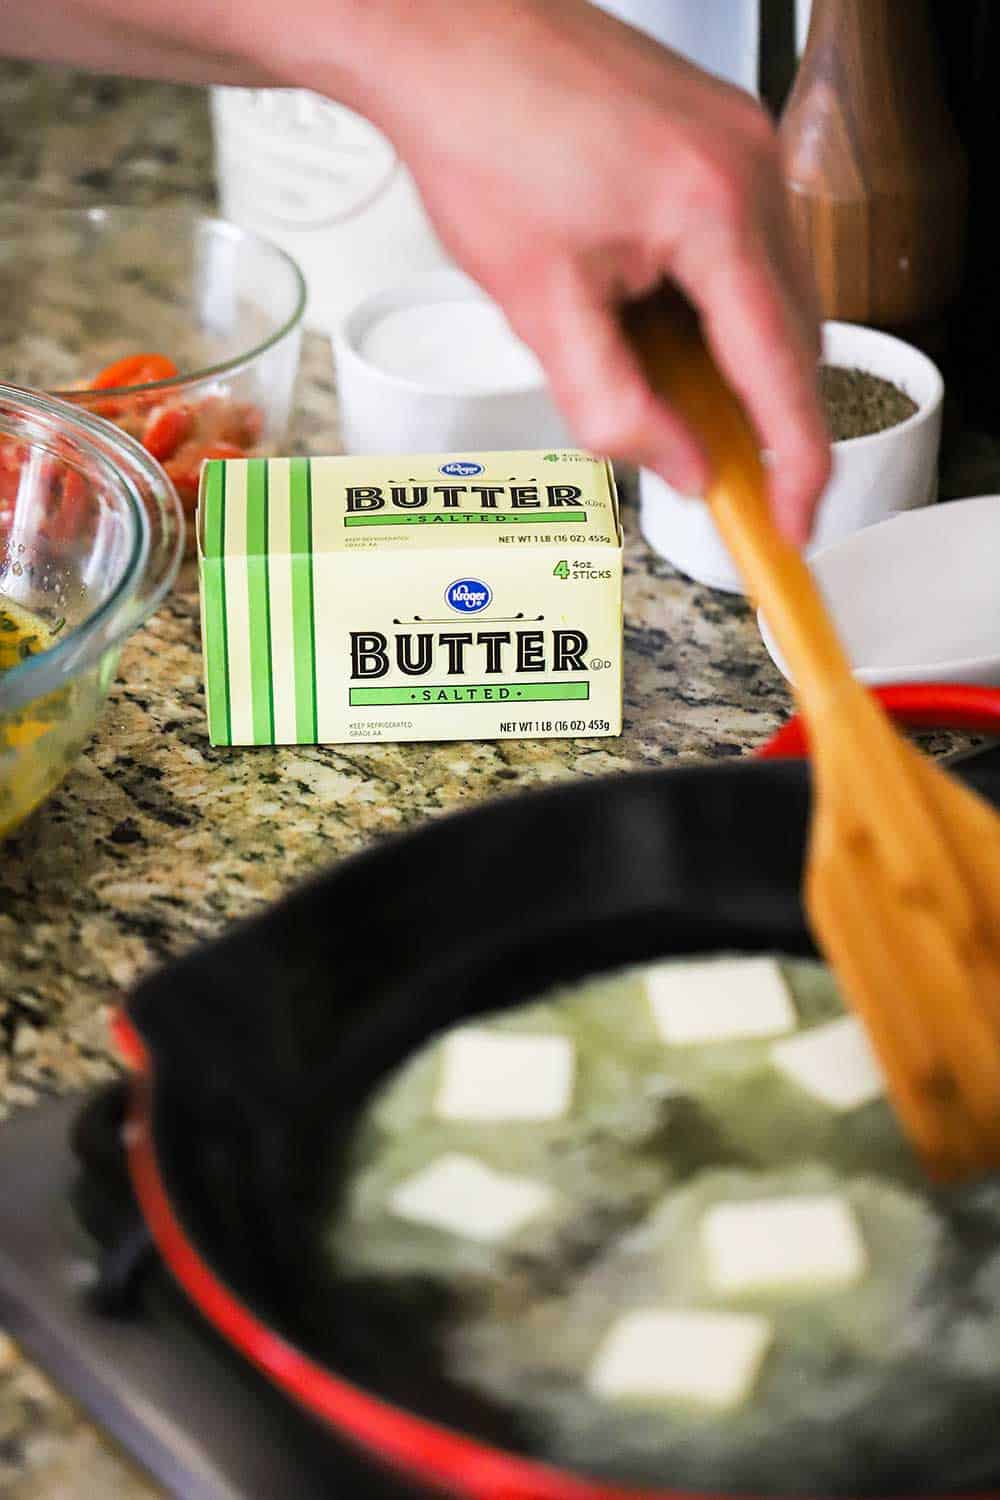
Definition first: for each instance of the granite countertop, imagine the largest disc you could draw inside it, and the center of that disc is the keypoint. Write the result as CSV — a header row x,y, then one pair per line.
x,y
156,841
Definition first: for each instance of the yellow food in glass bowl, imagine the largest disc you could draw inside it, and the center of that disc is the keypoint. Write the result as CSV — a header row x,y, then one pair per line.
x,y
91,534
40,741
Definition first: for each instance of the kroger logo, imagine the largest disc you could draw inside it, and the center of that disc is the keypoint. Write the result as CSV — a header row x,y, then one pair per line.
x,y
461,468
468,596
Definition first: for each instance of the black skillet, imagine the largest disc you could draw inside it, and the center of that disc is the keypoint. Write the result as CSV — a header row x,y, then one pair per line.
x,y
253,1055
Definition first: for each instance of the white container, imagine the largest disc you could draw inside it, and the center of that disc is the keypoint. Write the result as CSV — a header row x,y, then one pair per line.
x,y
325,185
873,477
916,599
431,366
721,36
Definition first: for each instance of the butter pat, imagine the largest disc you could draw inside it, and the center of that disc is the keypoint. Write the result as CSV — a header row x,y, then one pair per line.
x,y
709,1359
476,596
496,1075
462,1196
727,1000
802,1243
835,1063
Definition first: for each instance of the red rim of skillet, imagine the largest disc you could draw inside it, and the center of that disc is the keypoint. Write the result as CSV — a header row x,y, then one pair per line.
x,y
433,1453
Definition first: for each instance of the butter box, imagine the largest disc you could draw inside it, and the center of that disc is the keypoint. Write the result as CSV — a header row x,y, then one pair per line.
x,y
410,598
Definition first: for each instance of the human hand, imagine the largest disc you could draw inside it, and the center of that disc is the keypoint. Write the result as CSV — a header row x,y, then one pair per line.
x,y
569,164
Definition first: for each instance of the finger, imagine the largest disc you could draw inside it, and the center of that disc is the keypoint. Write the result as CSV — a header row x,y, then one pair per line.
x,y
599,385
763,347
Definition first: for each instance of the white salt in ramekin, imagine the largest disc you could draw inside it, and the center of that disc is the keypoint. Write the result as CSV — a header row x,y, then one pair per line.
x,y
383,412
874,477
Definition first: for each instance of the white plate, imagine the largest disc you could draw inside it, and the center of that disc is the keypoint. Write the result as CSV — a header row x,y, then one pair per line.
x,y
917,598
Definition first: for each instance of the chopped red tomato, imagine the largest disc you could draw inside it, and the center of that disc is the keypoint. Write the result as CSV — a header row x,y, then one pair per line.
x,y
168,427
134,369
241,424
180,434
183,434
75,501
10,482
64,495
12,455
185,468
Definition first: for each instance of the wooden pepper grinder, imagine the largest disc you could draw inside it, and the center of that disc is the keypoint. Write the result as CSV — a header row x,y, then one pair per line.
x,y
875,170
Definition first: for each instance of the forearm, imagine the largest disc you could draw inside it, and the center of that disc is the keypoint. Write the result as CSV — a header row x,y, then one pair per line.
x,y
330,45
139,40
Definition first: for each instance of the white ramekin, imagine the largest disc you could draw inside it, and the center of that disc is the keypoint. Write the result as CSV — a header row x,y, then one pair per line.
x,y
383,412
873,477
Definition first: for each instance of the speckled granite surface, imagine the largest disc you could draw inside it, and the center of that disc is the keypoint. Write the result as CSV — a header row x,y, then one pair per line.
x,y
156,840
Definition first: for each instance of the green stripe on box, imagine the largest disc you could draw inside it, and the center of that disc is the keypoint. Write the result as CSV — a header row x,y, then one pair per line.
x,y
259,603
303,617
216,636
469,518
215,507
448,693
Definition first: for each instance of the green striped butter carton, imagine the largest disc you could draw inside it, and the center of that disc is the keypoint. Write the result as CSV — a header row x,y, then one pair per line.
x,y
471,597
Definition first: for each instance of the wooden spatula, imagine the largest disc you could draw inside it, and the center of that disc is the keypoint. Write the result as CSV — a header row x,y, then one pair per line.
x,y
902,880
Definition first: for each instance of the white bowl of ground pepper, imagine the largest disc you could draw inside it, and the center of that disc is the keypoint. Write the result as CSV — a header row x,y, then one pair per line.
x,y
884,403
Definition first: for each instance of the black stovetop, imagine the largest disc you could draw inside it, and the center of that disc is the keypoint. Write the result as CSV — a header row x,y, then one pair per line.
x,y
83,1293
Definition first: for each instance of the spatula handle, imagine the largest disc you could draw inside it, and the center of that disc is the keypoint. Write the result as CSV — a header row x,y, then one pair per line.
x,y
666,334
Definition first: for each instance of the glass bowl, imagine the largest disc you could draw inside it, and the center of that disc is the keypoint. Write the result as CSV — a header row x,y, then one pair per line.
x,y
192,326
91,535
